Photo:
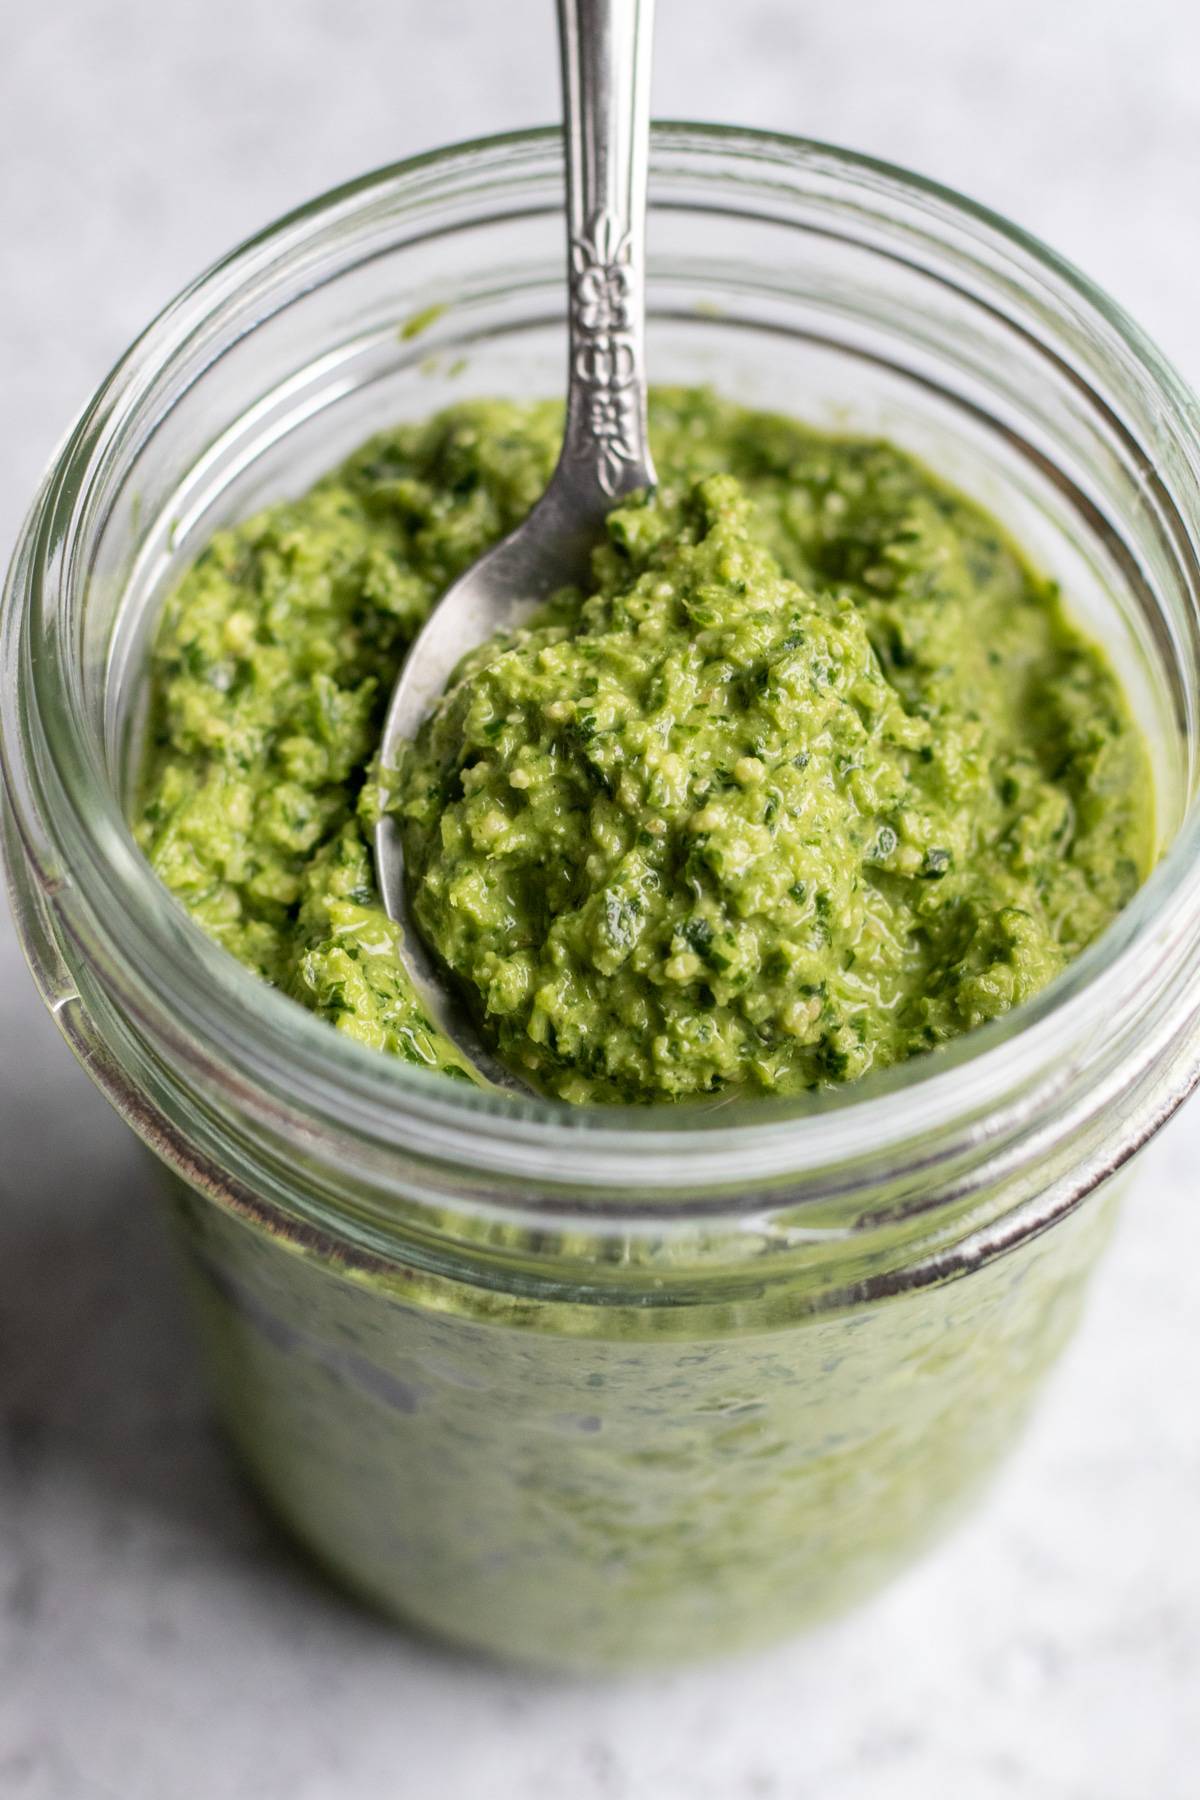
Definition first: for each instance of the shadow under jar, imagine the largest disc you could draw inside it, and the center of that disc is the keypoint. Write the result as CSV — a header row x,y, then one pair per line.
x,y
584,1386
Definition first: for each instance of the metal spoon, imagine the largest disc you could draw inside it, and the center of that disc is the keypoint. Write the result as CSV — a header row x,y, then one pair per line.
x,y
605,47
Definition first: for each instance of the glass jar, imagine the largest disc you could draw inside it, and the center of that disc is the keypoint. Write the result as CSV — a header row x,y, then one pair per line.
x,y
586,1386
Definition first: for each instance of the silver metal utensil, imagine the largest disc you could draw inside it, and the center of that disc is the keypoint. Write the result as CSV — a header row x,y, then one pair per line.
x,y
605,48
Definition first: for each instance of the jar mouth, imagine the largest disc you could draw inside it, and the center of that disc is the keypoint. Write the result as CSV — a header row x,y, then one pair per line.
x,y
992,1084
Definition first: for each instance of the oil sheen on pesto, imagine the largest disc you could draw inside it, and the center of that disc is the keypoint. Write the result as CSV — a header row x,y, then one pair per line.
x,y
815,777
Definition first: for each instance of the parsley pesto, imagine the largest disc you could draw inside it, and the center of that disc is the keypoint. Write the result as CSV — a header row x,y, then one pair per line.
x,y
818,775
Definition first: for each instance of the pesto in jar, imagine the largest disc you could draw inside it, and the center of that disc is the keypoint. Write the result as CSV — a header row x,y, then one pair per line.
x,y
817,776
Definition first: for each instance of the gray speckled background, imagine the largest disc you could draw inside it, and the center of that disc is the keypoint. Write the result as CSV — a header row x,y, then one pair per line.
x,y
156,1642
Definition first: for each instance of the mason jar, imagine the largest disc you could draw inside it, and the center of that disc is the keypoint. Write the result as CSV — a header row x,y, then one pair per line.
x,y
592,1386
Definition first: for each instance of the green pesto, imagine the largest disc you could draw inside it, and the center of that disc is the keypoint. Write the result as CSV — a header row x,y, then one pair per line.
x,y
594,1486
818,776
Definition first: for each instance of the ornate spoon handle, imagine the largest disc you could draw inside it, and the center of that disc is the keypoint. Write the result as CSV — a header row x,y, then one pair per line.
x,y
606,106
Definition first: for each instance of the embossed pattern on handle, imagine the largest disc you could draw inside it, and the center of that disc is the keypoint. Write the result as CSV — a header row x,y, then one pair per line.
x,y
606,106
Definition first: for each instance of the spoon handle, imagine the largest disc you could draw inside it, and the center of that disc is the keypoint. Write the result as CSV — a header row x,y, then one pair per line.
x,y
606,110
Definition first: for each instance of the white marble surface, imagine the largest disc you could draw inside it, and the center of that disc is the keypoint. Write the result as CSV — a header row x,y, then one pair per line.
x,y
156,1643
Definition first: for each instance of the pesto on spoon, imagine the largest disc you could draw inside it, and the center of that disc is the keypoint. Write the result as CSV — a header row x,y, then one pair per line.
x,y
605,49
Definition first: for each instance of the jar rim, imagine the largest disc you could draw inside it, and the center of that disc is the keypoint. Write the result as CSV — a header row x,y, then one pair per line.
x,y
994,1081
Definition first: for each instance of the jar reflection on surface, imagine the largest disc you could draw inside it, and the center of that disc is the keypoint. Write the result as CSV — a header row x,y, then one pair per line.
x,y
597,1388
